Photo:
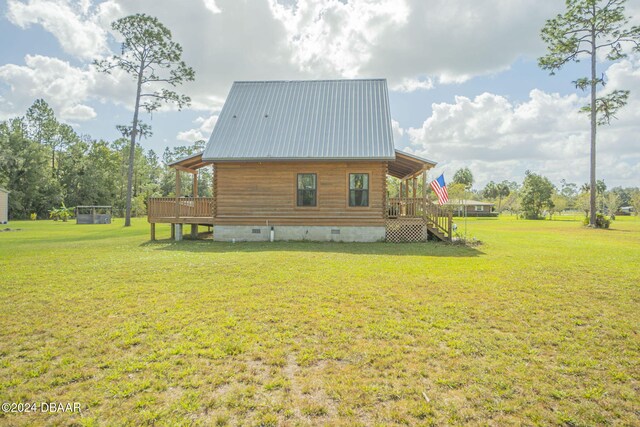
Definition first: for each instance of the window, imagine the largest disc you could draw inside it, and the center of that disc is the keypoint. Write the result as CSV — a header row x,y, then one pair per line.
x,y
358,189
307,188
479,208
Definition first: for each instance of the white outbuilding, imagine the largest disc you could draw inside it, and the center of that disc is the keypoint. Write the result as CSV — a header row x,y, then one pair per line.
x,y
4,206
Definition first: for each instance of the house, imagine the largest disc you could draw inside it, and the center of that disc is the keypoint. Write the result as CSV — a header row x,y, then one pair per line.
x,y
625,210
305,160
4,206
471,208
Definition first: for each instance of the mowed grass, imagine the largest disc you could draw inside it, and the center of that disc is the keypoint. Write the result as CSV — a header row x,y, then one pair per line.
x,y
538,325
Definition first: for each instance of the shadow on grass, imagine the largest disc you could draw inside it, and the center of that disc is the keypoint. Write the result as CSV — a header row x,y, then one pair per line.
x,y
618,230
439,249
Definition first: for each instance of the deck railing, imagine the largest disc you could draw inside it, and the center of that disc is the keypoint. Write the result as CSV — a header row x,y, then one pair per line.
x,y
186,207
415,207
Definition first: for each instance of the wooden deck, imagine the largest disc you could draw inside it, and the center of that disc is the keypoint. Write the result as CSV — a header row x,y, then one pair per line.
x,y
407,218
180,210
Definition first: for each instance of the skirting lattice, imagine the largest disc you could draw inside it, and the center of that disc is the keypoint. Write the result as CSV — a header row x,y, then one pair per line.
x,y
406,230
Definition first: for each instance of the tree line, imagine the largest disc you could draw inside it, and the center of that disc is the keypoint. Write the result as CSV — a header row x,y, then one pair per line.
x,y
537,197
46,164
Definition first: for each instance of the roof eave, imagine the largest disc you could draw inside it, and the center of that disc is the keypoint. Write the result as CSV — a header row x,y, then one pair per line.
x,y
289,159
192,156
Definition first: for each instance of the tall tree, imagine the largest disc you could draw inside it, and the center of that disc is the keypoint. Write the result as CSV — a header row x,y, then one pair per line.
x,y
151,57
44,128
503,191
24,171
591,29
465,177
624,194
490,191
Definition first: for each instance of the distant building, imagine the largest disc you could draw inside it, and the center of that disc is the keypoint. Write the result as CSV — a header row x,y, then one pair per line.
x,y
625,210
472,208
4,206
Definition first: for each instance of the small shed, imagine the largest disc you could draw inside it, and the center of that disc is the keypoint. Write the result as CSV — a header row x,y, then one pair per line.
x,y
93,214
4,206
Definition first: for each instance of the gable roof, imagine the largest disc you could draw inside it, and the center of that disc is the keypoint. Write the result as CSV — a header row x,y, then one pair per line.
x,y
310,120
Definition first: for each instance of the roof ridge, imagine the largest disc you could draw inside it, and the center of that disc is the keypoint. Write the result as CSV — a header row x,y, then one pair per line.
x,y
311,80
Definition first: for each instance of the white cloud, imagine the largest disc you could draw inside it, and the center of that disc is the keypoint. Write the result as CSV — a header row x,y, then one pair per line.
x,y
332,36
64,87
242,42
409,84
499,139
398,132
416,44
78,113
202,132
413,43
454,41
211,6
79,31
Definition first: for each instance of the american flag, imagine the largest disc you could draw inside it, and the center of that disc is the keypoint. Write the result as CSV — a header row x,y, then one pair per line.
x,y
438,185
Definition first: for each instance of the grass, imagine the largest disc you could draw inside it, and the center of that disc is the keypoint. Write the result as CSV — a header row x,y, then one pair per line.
x,y
536,326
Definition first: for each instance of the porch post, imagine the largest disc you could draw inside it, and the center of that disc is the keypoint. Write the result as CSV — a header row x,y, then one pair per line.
x,y
153,231
195,185
424,204
194,231
424,190
406,190
178,190
214,202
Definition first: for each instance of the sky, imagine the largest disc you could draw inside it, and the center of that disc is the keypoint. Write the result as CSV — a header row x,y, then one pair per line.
x,y
465,87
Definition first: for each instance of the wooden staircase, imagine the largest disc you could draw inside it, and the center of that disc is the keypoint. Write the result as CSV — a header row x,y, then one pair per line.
x,y
438,221
408,212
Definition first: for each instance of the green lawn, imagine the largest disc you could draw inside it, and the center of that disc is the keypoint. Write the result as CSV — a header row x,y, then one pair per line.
x,y
538,325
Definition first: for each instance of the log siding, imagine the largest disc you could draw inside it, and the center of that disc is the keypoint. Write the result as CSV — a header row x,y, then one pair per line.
x,y
254,193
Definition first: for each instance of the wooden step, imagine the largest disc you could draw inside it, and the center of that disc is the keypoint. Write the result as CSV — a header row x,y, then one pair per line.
x,y
440,235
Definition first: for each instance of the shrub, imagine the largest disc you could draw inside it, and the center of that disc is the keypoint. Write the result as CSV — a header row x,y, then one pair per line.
x,y
63,213
33,216
601,221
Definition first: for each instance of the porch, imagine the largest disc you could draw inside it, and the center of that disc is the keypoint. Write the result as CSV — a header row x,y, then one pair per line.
x,y
408,214
182,210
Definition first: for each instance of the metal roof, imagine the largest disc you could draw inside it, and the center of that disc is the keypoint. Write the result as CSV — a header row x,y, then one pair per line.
x,y
311,120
